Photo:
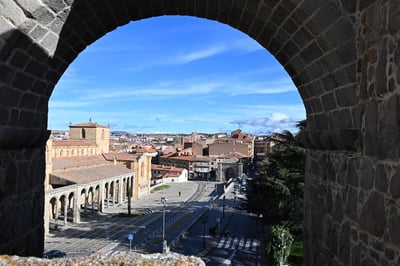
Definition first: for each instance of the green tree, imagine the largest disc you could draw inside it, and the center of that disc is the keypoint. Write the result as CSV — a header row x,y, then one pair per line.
x,y
276,192
278,244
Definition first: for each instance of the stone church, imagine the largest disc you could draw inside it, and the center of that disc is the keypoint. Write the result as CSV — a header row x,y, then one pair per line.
x,y
81,174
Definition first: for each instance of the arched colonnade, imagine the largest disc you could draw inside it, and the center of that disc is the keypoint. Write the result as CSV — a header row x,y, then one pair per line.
x,y
65,204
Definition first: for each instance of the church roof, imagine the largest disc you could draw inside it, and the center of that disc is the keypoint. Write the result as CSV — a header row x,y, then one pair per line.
x,y
65,163
89,124
92,174
72,143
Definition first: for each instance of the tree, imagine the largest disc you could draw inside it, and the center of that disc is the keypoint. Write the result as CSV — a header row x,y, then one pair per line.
x,y
278,245
276,192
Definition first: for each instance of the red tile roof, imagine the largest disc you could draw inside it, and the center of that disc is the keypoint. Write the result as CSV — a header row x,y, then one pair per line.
x,y
64,163
120,156
91,174
63,143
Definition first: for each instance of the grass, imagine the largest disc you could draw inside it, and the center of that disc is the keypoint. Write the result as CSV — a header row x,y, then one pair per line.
x,y
160,188
296,254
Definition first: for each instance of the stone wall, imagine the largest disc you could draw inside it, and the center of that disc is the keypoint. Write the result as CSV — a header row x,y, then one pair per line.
x,y
352,195
343,56
22,201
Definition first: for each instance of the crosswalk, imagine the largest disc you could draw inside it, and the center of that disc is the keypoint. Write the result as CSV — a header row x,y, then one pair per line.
x,y
240,243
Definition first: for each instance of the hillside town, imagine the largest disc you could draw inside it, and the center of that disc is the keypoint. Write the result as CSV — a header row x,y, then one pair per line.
x,y
89,168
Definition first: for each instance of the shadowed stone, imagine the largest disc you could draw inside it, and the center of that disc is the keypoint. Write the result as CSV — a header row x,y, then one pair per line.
x,y
395,184
373,216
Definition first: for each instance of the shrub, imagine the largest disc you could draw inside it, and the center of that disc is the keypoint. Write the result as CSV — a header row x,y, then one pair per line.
x,y
278,245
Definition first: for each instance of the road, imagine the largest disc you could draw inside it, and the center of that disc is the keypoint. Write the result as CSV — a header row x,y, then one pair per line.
x,y
192,209
104,233
237,241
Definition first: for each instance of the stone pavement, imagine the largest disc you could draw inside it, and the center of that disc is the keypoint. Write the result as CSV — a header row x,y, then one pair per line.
x,y
97,231
176,193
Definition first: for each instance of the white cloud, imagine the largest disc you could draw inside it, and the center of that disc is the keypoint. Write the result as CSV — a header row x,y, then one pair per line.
x,y
197,55
166,89
276,122
70,104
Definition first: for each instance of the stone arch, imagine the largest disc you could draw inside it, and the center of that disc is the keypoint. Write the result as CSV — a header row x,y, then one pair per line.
x,y
63,207
230,172
347,76
53,208
83,199
91,198
70,207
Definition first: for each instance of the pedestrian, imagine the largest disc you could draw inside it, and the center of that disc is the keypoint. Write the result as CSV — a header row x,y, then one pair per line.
x,y
226,232
179,193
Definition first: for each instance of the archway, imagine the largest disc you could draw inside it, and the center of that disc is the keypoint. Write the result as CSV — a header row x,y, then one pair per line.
x,y
346,74
230,173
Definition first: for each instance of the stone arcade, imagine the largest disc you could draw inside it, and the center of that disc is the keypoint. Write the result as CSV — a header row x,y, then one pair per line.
x,y
343,55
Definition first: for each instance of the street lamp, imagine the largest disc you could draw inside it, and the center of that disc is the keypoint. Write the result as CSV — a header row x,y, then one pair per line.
x,y
204,222
223,208
164,202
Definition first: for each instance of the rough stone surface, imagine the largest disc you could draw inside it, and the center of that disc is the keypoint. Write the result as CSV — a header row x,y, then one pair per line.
x,y
124,258
373,216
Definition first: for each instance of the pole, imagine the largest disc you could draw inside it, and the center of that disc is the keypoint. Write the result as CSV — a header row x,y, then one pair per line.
x,y
204,232
163,225
163,200
223,208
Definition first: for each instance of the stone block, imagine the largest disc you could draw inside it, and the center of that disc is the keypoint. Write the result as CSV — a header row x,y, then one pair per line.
x,y
395,184
373,215
352,204
55,5
328,101
394,230
19,59
311,52
381,178
367,174
9,96
13,12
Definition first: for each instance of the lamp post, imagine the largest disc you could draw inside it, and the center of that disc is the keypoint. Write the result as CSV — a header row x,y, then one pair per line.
x,y
204,222
223,208
164,202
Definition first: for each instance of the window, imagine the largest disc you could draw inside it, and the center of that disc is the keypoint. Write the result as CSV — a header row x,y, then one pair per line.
x,y
83,133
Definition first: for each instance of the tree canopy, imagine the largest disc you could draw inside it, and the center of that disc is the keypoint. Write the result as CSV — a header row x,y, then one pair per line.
x,y
276,192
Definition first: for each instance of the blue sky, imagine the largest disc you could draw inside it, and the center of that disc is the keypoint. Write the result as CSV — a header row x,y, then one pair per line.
x,y
176,74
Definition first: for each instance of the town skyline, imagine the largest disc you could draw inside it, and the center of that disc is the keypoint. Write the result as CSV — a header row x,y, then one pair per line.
x,y
177,75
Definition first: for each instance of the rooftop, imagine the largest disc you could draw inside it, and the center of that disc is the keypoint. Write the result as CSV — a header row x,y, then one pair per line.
x,y
91,174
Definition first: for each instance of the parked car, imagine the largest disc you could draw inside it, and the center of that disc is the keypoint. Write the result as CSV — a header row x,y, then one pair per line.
x,y
54,254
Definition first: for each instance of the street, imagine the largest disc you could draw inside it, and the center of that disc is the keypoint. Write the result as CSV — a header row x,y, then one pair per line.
x,y
104,233
195,221
237,239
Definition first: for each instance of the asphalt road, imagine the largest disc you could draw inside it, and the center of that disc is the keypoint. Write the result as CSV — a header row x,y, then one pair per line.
x,y
191,211
237,240
103,233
